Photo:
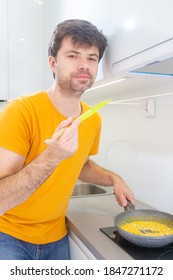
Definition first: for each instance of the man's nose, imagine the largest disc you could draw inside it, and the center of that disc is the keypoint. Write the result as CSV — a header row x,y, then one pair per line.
x,y
84,66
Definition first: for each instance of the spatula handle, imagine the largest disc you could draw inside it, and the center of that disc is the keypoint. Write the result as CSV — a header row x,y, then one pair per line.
x,y
55,136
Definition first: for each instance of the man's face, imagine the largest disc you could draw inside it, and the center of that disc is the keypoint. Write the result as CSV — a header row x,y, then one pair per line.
x,y
76,67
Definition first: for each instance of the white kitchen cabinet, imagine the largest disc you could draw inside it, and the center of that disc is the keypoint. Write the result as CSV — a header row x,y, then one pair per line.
x,y
78,251
21,47
138,25
75,252
25,46
3,51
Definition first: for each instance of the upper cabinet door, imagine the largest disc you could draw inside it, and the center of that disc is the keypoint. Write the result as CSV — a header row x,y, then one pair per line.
x,y
25,46
138,25
3,51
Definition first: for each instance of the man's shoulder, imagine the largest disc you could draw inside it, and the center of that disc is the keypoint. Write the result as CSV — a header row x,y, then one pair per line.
x,y
30,96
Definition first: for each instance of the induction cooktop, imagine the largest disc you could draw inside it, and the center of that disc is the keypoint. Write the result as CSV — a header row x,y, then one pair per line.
x,y
137,252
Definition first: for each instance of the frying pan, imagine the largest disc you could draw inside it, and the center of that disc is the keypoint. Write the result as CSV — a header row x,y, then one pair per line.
x,y
132,214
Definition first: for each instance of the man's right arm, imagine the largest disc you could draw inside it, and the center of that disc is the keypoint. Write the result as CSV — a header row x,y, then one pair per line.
x,y
17,183
15,188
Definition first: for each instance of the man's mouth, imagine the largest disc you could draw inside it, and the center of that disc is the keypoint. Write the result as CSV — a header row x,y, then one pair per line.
x,y
82,77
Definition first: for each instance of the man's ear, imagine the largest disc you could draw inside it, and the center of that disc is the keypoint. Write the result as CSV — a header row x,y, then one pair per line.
x,y
52,63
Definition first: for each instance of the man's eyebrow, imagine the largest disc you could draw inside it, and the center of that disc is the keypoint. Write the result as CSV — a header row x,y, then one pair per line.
x,y
72,51
76,52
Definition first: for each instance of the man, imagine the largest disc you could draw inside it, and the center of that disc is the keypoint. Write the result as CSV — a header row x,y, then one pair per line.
x,y
36,179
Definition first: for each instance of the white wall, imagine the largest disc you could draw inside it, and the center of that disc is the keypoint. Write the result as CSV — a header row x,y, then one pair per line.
x,y
140,149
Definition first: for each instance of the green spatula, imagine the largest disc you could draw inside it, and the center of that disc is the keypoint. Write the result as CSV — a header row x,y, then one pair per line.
x,y
83,117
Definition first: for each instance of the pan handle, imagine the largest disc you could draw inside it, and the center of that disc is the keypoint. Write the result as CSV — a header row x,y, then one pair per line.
x,y
129,206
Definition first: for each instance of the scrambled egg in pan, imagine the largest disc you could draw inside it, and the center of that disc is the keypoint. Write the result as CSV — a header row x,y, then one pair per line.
x,y
148,228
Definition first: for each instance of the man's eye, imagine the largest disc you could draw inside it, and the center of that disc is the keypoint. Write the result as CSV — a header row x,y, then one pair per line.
x,y
72,56
93,59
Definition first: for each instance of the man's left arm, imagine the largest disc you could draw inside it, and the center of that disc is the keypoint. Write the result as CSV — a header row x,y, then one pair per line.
x,y
93,173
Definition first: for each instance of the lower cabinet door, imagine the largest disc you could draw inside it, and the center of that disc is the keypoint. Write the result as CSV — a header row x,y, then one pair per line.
x,y
78,251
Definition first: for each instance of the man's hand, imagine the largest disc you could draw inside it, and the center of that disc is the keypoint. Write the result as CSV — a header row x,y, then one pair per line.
x,y
66,145
122,192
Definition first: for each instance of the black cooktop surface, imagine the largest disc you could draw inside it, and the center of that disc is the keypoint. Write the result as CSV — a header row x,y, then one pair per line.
x,y
137,252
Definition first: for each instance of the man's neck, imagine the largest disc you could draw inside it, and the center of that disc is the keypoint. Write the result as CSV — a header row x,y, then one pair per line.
x,y
68,106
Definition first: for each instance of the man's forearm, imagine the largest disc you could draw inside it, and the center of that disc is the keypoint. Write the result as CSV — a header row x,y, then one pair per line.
x,y
15,189
93,173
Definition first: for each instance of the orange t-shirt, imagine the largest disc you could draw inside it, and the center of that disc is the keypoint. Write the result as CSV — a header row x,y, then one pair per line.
x,y
24,124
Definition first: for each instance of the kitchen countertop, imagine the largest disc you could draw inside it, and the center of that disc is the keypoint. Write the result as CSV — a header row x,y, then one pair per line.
x,y
87,214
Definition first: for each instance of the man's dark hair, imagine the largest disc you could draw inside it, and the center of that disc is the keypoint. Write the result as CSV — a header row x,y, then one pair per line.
x,y
82,32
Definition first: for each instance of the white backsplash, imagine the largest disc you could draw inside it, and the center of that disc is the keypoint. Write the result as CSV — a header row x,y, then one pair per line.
x,y
140,149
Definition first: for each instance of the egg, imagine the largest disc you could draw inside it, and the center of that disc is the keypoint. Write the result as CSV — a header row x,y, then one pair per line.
x,y
148,228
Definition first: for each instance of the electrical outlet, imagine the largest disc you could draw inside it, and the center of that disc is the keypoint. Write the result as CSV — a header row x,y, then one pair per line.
x,y
150,108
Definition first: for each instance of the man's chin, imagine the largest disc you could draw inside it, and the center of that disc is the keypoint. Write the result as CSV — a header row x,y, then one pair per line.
x,y
83,85
78,93
83,88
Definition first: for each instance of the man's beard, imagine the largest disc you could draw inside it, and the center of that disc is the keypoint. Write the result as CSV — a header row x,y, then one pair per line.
x,y
71,87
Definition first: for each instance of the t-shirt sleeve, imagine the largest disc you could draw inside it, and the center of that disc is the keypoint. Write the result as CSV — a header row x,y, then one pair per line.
x,y
14,128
